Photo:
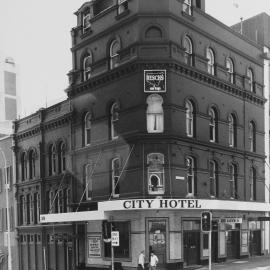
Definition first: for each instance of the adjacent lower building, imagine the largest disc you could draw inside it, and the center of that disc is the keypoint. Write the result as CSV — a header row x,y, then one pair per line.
x,y
163,120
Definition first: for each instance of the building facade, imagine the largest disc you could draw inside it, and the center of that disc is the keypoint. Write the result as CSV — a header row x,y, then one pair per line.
x,y
8,242
163,121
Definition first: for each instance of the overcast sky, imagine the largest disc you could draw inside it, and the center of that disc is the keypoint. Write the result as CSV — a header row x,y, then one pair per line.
x,y
36,33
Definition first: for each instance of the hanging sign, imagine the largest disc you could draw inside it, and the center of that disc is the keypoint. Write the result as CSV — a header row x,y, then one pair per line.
x,y
115,238
155,81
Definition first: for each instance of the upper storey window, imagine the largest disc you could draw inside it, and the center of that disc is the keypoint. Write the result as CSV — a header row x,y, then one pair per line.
x,y
188,47
211,61
122,6
32,165
252,136
24,166
189,119
114,54
52,159
114,117
190,164
187,7
250,76
154,114
61,157
115,177
213,125
230,68
87,66
155,162
86,23
232,130
87,128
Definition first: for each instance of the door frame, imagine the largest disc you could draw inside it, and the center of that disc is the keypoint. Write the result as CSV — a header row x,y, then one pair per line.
x,y
167,245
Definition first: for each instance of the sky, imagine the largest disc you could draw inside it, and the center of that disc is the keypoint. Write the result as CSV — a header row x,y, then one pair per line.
x,y
36,34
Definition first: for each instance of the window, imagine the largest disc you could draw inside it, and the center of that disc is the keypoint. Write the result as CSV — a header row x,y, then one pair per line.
x,y
88,171
213,125
189,119
211,61
21,210
52,159
233,181
114,56
230,69
60,201
155,170
250,77
32,165
187,7
61,157
188,47
36,207
190,176
122,251
86,20
252,136
24,166
56,201
232,130
122,6
213,178
252,184
66,200
115,177
32,207
87,67
154,114
114,117
9,177
28,210
87,128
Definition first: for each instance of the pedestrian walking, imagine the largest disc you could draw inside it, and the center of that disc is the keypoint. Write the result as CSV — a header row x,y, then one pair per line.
x,y
141,260
153,261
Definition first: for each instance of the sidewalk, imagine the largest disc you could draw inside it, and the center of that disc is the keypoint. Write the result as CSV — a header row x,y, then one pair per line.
x,y
256,263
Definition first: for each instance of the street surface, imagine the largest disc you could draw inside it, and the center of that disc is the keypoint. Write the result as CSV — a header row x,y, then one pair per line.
x,y
254,263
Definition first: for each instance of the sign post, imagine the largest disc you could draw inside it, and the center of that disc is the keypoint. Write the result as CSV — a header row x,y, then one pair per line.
x,y
114,243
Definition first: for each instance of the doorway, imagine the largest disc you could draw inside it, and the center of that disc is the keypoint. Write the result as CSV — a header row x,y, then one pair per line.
x,y
233,244
255,243
157,238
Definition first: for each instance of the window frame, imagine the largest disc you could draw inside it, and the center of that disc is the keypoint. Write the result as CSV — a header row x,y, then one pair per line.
x,y
87,69
86,20
187,7
189,118
212,125
210,55
114,118
115,177
61,157
253,178
188,50
232,130
23,166
52,160
252,136
250,76
114,55
190,170
213,178
230,69
88,171
122,6
233,181
87,128
32,164
156,170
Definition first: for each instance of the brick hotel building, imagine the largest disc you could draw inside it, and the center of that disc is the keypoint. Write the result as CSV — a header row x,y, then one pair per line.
x,y
163,120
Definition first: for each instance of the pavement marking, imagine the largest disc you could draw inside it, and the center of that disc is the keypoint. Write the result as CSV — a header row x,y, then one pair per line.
x,y
240,262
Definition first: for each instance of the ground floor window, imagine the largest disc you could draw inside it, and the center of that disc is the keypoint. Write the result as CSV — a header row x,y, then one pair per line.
x,y
123,251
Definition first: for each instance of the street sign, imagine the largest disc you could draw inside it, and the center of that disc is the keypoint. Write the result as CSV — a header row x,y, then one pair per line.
x,y
231,220
115,238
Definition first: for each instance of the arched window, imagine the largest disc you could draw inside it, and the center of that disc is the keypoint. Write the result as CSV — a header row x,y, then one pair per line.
x,y
88,180
211,61
115,177
122,6
230,68
213,125
189,119
187,7
61,157
188,47
155,171
190,164
233,181
252,184
114,117
154,114
52,159
24,166
87,128
250,76
213,178
32,164
232,130
153,32
114,56
87,67
252,136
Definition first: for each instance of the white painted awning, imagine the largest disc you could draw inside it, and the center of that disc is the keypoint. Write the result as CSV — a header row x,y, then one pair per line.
x,y
104,208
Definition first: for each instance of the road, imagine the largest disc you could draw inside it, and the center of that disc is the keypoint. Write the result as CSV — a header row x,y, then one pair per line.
x,y
254,263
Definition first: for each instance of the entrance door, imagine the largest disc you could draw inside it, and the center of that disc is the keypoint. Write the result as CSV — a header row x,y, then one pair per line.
x,y
233,244
157,239
255,243
191,247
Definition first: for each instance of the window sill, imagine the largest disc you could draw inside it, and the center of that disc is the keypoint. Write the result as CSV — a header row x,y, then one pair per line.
x,y
188,16
123,14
